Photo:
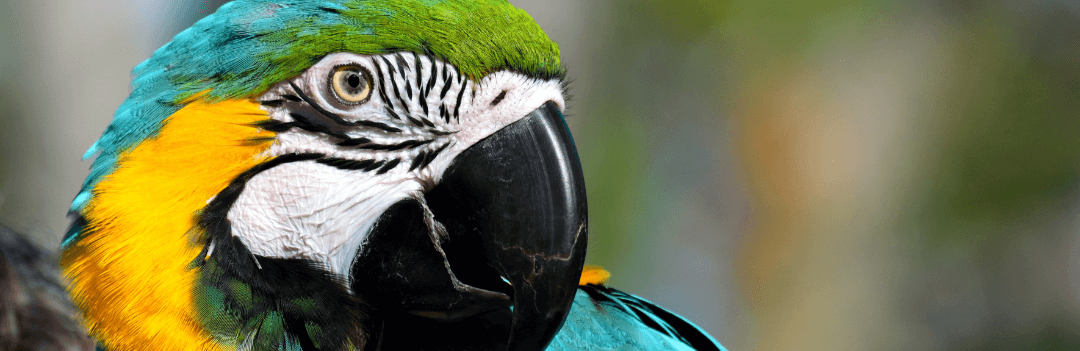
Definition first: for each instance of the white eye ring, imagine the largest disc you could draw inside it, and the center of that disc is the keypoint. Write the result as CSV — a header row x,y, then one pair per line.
x,y
351,84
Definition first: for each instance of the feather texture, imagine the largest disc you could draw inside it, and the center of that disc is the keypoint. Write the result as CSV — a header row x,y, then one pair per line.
x,y
35,313
132,275
249,45
603,318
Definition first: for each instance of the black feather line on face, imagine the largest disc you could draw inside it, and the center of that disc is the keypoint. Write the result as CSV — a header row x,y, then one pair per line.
x,y
273,125
314,125
344,164
433,78
275,283
337,119
382,85
431,155
427,122
426,159
446,73
309,120
423,101
393,114
419,76
418,160
457,107
373,166
396,147
415,121
402,65
272,103
389,165
308,115
335,162
497,99
445,88
353,142
393,82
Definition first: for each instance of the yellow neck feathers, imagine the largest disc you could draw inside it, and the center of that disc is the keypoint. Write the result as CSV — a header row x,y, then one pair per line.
x,y
131,271
594,275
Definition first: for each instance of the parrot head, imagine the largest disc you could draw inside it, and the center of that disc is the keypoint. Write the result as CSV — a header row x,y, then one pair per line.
x,y
291,175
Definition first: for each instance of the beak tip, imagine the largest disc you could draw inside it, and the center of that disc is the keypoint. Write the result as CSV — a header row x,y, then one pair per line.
x,y
544,295
519,196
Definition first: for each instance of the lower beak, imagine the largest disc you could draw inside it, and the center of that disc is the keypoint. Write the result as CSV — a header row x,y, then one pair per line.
x,y
515,218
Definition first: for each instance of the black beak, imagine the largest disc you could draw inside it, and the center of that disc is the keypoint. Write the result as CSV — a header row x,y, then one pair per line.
x,y
515,218
522,193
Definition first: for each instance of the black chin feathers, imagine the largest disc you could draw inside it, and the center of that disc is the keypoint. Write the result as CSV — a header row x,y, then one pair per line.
x,y
271,300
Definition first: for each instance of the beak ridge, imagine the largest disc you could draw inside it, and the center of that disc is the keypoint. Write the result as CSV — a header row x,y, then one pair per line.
x,y
515,217
521,191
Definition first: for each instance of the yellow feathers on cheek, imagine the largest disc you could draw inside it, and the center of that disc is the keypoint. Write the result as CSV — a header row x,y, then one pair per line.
x,y
131,271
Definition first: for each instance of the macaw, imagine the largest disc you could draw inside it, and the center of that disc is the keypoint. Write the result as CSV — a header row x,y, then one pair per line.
x,y
348,175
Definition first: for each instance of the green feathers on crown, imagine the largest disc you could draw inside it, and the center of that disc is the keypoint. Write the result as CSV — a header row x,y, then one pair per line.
x,y
479,37
249,45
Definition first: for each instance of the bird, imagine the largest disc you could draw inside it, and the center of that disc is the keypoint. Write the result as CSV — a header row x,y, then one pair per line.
x,y
348,175
35,311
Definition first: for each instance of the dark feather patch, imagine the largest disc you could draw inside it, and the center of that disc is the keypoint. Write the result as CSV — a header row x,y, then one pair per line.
x,y
389,165
433,78
333,117
415,121
457,106
382,86
35,313
272,103
402,64
354,142
431,155
419,77
393,114
499,98
445,88
418,160
427,122
236,296
273,125
373,166
393,83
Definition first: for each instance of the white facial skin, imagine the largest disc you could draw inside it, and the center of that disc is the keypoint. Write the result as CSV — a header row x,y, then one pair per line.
x,y
312,210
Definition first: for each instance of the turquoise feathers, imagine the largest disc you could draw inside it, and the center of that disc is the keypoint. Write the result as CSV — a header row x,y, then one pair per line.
x,y
290,302
248,45
607,319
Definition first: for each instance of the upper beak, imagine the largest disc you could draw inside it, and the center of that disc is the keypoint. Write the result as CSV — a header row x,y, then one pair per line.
x,y
515,218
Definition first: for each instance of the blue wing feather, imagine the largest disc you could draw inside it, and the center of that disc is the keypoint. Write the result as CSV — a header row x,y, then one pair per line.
x,y
603,318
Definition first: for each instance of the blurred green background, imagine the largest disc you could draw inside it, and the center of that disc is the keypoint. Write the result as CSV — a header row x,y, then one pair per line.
x,y
792,175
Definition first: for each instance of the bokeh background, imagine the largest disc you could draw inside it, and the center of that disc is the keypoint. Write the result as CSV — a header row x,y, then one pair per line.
x,y
792,175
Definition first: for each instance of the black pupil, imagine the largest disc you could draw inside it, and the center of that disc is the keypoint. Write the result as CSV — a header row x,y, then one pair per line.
x,y
353,80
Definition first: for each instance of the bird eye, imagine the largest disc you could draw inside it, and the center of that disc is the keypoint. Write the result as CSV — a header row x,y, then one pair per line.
x,y
351,84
